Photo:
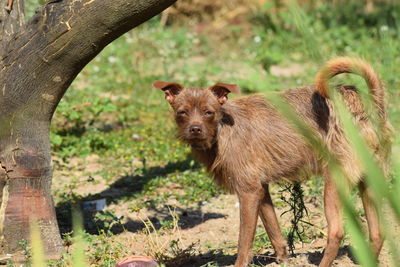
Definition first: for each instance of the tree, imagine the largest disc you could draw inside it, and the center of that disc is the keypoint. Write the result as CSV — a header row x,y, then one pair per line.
x,y
38,61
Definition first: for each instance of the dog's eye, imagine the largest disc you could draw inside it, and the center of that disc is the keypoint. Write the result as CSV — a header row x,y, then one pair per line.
x,y
208,112
181,112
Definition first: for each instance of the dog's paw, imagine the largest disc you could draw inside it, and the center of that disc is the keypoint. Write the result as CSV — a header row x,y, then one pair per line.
x,y
282,258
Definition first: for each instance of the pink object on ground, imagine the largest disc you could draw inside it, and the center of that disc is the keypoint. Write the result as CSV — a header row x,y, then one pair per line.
x,y
137,261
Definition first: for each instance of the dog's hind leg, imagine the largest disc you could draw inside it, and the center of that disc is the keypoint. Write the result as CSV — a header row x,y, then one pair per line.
x,y
268,217
249,207
371,215
334,220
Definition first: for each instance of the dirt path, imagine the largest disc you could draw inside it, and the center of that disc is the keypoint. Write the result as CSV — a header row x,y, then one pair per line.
x,y
211,227
214,228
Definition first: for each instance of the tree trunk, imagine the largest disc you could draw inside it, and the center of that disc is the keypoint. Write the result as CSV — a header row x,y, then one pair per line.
x,y
38,61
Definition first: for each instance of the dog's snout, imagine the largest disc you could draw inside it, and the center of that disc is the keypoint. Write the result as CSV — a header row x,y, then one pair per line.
x,y
195,129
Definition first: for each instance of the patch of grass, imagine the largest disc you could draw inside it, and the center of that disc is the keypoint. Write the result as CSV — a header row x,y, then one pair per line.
x,y
169,251
26,249
261,242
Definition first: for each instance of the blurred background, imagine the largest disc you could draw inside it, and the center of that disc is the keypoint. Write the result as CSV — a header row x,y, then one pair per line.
x,y
113,135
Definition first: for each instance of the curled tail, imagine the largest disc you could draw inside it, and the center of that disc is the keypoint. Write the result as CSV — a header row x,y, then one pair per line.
x,y
357,66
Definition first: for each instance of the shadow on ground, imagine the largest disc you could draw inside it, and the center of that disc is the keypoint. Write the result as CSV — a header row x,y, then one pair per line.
x,y
316,256
220,259
188,218
123,188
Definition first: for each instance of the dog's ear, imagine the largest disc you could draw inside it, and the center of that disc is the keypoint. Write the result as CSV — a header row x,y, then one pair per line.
x,y
221,90
171,89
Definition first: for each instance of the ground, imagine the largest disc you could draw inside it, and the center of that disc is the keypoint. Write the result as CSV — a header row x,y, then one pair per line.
x,y
209,228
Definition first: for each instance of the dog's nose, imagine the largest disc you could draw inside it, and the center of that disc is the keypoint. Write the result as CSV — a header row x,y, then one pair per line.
x,y
195,129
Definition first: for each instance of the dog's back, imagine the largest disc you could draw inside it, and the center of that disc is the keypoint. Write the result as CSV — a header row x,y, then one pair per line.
x,y
252,140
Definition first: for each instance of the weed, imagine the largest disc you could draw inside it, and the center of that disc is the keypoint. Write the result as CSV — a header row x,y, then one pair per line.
x,y
106,220
298,209
177,255
26,250
169,251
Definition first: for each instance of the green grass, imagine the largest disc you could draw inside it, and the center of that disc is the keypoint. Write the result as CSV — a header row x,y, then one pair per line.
x,y
111,109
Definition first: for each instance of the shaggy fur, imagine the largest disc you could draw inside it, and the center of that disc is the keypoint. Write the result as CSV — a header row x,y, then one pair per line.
x,y
245,144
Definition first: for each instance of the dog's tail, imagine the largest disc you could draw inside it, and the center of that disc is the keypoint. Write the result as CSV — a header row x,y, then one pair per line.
x,y
357,66
380,140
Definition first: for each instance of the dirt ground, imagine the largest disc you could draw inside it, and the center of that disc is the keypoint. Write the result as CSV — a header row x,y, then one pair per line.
x,y
216,224
212,227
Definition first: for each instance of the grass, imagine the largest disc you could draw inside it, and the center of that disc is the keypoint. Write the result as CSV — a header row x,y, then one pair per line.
x,y
112,111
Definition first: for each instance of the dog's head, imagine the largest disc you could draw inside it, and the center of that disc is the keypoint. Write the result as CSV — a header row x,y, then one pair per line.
x,y
197,110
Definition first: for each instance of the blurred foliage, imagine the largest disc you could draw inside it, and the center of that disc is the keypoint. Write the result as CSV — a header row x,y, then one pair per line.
x,y
330,12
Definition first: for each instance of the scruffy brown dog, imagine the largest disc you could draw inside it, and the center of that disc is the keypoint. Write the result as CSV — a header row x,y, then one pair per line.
x,y
245,144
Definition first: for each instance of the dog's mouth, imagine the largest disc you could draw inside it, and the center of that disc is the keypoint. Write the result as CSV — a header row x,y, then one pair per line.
x,y
196,138
203,146
197,142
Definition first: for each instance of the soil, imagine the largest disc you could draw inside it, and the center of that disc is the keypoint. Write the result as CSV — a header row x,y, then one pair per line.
x,y
211,227
215,226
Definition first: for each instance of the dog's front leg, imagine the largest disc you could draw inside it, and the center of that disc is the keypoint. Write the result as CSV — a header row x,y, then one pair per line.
x,y
249,207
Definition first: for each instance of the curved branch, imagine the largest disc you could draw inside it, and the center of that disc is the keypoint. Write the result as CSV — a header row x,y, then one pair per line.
x,y
60,39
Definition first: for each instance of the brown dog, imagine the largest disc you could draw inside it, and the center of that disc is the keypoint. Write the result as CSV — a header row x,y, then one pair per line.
x,y
245,144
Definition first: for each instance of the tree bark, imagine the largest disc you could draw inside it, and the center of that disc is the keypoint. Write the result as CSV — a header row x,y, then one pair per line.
x,y
38,61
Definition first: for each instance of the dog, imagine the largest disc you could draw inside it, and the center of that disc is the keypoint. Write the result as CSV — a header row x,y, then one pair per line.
x,y
245,144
